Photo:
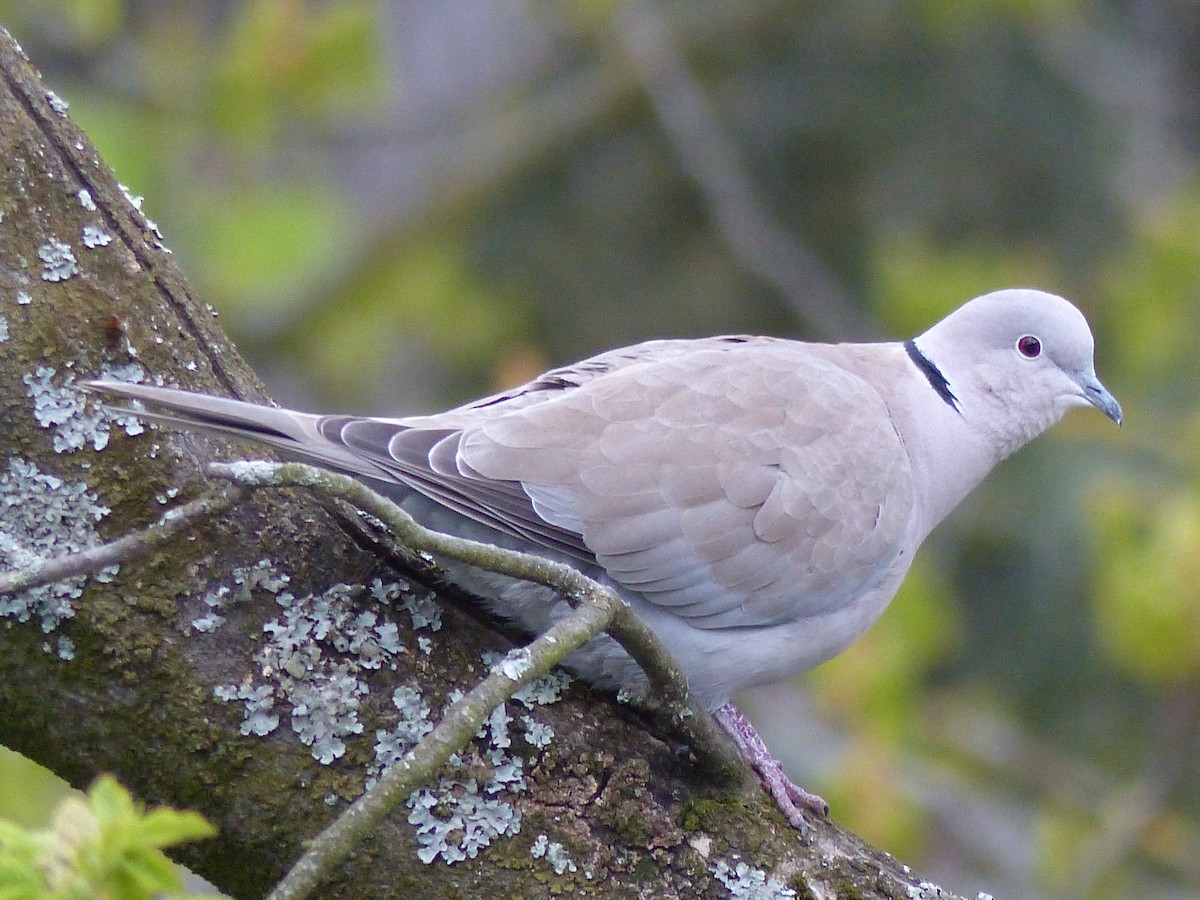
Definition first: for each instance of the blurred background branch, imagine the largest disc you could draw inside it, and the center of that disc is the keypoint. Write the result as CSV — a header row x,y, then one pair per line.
x,y
709,158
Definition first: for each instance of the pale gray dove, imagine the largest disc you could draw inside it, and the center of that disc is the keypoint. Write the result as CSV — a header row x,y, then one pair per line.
x,y
758,501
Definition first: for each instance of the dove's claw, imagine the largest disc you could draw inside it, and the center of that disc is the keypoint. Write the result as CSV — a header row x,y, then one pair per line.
x,y
789,796
810,801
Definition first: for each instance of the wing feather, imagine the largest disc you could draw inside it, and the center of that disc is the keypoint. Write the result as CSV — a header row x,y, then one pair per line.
x,y
734,481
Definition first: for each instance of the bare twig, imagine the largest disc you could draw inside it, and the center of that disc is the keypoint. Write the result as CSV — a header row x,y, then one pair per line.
x,y
572,585
668,684
131,546
462,720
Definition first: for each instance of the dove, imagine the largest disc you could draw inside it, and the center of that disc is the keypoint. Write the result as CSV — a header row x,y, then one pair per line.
x,y
756,500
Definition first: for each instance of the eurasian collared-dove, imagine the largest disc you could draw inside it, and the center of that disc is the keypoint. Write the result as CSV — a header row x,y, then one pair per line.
x,y
757,501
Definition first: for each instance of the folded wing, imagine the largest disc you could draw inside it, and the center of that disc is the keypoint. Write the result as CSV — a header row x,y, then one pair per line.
x,y
734,481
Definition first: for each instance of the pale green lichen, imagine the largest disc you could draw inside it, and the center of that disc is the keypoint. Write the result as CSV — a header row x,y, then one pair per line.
x,y
460,816
537,734
514,664
311,660
543,691
94,236
43,516
465,811
77,419
554,853
745,882
57,103
422,608
58,262
260,719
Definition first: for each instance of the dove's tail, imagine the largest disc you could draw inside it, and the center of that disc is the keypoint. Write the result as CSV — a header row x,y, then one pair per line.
x,y
425,463
297,434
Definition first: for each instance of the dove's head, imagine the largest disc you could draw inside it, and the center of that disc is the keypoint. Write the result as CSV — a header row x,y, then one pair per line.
x,y
1021,358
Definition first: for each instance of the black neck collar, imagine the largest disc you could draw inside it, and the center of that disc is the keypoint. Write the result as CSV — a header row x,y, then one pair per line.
x,y
932,374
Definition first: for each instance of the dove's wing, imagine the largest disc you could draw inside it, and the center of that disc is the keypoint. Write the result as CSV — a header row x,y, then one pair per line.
x,y
741,483
735,481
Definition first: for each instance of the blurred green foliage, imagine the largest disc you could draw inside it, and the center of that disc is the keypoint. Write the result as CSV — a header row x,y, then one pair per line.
x,y
99,846
916,282
876,689
399,206
281,61
30,791
1147,617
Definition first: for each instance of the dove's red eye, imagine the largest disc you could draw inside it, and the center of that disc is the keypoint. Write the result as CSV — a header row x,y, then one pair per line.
x,y
1030,347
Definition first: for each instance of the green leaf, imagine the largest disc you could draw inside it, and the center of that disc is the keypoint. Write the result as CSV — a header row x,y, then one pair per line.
x,y
15,839
144,873
165,827
104,845
110,801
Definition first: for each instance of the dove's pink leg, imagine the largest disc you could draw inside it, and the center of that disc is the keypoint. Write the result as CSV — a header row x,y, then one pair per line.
x,y
788,796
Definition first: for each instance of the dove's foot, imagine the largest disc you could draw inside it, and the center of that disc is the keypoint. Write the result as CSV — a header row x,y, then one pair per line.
x,y
788,796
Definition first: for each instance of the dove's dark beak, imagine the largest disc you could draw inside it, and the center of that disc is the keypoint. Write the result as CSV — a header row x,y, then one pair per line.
x,y
1098,395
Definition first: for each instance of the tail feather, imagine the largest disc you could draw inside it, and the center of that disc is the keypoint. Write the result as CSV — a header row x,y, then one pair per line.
x,y
295,433
394,452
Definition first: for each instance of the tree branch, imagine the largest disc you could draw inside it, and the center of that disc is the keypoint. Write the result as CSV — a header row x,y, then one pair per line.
x,y
127,548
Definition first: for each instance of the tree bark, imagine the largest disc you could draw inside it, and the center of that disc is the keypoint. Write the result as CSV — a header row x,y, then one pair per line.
x,y
126,680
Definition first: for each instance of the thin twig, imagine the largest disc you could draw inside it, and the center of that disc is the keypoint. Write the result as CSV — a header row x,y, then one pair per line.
x,y
572,585
130,546
462,720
